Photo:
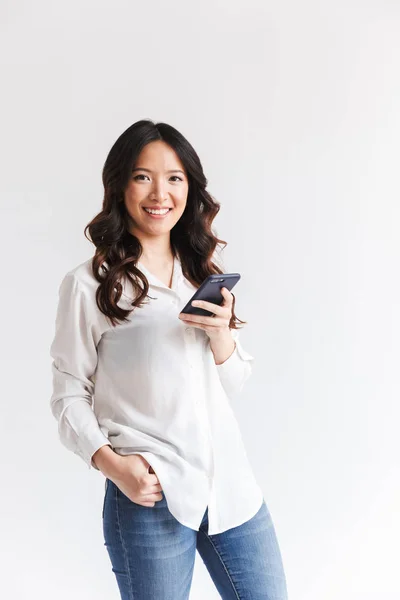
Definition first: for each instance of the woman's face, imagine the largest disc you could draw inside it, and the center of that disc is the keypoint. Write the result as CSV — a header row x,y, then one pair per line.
x,y
158,181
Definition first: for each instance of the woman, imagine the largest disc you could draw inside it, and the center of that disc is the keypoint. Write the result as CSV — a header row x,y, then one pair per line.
x,y
143,392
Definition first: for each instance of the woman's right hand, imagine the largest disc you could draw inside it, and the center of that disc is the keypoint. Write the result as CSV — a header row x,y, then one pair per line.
x,y
131,473
137,480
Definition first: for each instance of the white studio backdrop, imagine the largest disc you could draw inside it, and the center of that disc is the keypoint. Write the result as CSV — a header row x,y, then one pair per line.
x,y
293,109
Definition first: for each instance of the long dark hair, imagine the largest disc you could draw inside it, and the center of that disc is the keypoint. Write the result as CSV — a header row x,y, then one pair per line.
x,y
118,250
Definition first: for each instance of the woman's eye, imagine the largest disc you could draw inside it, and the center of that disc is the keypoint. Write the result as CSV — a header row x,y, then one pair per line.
x,y
173,177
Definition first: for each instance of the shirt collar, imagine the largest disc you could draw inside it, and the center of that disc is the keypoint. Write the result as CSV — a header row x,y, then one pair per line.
x,y
177,275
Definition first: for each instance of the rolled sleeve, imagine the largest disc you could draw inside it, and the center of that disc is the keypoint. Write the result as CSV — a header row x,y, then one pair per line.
x,y
236,369
74,353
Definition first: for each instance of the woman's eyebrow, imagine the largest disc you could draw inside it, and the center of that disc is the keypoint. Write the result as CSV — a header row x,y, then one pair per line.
x,y
149,170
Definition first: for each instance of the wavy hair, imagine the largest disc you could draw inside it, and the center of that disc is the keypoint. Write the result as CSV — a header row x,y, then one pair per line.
x,y
118,250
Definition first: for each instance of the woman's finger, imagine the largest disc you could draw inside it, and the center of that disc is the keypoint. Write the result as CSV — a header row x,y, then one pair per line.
x,y
202,320
211,325
228,297
211,306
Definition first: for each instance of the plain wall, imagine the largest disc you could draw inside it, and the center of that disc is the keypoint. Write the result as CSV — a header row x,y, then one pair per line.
x,y
293,109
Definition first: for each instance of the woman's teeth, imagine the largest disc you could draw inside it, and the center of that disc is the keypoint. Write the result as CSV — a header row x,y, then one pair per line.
x,y
157,212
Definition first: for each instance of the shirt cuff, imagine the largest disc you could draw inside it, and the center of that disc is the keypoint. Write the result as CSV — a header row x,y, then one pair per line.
x,y
238,353
87,447
234,371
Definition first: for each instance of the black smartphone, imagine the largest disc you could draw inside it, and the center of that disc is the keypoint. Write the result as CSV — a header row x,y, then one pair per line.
x,y
210,290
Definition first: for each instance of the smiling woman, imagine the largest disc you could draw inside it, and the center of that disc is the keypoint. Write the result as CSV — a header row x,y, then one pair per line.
x,y
157,191
143,394
149,168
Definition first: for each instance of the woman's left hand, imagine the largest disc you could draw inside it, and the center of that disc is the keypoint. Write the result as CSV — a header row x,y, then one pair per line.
x,y
215,326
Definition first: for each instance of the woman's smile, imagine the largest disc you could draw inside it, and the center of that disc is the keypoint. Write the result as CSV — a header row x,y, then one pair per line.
x,y
157,214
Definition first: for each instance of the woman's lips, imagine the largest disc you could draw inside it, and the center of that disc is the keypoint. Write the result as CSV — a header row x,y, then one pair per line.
x,y
162,216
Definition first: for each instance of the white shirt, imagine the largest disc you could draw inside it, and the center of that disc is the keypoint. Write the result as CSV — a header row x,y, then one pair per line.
x,y
150,386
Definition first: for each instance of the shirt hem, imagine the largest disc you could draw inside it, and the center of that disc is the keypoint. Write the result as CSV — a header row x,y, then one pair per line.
x,y
181,521
242,521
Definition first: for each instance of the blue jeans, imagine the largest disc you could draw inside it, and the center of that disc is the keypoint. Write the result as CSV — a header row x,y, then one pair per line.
x,y
152,554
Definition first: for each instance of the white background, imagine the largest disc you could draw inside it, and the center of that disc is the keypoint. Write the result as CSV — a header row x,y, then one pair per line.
x,y
293,108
